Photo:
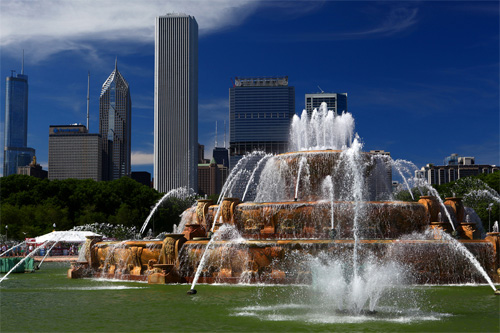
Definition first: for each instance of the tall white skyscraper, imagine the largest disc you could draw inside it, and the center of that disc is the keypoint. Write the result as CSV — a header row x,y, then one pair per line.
x,y
176,102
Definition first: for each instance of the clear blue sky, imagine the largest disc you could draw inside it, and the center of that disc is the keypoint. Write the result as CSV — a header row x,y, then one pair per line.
x,y
422,77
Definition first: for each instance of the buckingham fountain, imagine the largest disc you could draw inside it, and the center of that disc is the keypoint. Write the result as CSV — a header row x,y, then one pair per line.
x,y
322,212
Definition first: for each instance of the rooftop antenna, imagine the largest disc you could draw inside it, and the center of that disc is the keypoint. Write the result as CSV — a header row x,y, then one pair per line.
x,y
321,90
116,63
88,99
215,134
22,67
12,71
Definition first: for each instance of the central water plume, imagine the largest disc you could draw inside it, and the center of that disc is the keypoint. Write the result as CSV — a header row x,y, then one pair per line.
x,y
324,130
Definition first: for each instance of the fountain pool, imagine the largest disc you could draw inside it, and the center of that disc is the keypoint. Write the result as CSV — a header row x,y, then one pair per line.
x,y
89,305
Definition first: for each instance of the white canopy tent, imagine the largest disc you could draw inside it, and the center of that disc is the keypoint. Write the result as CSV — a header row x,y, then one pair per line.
x,y
65,237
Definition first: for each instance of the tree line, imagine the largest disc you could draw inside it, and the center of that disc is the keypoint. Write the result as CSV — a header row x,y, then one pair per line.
x,y
31,206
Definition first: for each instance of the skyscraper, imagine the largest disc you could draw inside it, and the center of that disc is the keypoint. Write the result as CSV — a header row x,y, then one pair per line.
x,y
16,152
176,102
115,108
337,102
260,112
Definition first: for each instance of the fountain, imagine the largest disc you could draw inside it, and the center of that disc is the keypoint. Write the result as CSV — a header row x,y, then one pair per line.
x,y
321,212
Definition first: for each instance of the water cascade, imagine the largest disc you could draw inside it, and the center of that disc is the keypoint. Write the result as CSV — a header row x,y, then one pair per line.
x,y
303,161
328,188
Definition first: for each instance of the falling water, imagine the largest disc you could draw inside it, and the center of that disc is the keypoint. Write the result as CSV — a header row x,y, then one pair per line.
x,y
328,187
46,254
399,168
303,161
459,247
435,193
265,158
483,194
223,232
235,175
355,163
181,192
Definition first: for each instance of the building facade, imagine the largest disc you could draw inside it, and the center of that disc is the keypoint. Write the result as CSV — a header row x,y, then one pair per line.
x,y
16,152
74,153
176,103
211,178
337,102
454,168
33,169
115,112
261,110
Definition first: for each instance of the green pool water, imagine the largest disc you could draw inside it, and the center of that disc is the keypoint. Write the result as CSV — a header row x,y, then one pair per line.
x,y
47,301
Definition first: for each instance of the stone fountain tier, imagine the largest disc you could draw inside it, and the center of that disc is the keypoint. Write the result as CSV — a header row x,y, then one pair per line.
x,y
287,261
131,260
313,220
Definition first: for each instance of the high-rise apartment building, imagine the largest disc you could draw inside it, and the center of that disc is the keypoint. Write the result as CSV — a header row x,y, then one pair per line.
x,y
176,103
337,102
16,152
115,108
74,153
454,168
260,112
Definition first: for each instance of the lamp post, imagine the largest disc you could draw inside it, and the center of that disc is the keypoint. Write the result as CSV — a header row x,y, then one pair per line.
x,y
6,232
490,206
54,225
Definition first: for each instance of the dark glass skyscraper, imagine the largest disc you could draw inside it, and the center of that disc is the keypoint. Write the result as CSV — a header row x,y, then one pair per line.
x,y
16,152
260,112
115,108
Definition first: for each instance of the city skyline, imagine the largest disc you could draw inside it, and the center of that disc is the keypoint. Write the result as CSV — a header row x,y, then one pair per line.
x,y
422,77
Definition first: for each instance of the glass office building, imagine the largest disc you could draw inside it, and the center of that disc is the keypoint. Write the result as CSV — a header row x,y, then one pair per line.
x,y
260,113
176,103
337,102
16,152
115,109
